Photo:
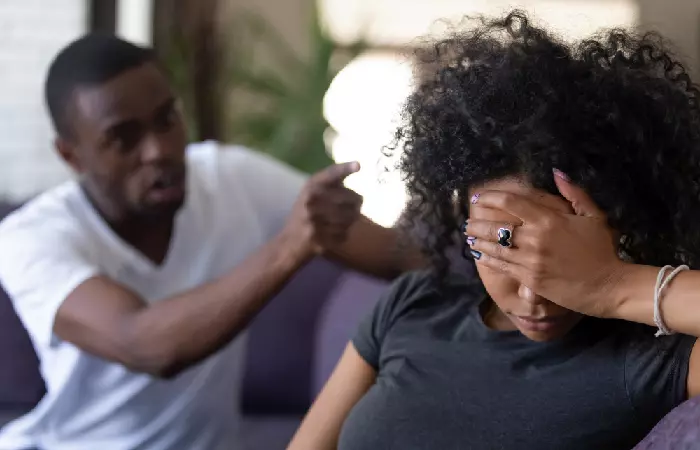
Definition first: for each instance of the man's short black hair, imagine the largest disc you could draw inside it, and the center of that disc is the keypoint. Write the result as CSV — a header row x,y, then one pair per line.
x,y
90,60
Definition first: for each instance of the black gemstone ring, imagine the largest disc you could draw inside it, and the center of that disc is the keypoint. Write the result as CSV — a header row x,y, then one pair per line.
x,y
504,237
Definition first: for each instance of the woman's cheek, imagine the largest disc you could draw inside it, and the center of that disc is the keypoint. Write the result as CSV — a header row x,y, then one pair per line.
x,y
500,287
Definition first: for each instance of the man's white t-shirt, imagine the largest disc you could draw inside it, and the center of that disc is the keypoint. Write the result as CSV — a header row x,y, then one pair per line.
x,y
237,199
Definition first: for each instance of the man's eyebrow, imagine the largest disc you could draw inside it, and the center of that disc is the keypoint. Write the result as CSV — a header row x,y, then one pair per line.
x,y
120,126
166,106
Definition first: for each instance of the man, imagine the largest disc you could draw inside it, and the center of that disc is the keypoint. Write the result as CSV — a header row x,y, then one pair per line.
x,y
134,280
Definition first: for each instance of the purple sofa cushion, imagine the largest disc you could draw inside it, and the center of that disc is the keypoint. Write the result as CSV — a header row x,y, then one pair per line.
x,y
352,299
679,430
268,432
21,384
279,360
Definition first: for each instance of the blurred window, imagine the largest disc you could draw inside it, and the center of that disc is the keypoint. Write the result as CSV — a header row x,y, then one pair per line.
x,y
31,33
363,103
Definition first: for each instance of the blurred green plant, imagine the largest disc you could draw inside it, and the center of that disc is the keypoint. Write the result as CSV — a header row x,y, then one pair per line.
x,y
176,63
276,94
189,41
268,96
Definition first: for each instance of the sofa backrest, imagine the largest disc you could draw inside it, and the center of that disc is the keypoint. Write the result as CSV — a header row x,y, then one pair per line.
x,y
679,430
279,359
352,299
21,384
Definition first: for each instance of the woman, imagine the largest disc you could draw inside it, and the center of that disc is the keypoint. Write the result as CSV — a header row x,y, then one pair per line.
x,y
447,362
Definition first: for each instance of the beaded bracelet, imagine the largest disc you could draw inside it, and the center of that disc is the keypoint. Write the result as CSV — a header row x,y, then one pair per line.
x,y
662,281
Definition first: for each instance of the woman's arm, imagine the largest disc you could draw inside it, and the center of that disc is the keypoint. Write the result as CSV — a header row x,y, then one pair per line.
x,y
633,297
351,379
680,306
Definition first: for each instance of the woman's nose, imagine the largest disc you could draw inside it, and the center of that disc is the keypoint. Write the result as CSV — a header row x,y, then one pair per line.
x,y
529,295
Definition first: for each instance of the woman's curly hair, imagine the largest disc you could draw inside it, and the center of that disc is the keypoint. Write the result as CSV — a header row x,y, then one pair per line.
x,y
617,113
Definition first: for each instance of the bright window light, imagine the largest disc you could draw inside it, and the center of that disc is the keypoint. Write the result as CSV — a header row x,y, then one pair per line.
x,y
134,19
363,103
401,22
362,106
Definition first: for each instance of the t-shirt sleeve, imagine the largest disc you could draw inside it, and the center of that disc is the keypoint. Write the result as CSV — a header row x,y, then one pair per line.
x,y
373,329
38,270
271,186
656,372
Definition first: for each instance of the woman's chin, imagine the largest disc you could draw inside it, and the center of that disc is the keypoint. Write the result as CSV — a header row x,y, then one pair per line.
x,y
544,331
539,336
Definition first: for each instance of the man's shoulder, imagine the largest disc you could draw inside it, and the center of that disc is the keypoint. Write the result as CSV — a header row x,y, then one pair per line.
x,y
230,173
213,157
53,210
209,155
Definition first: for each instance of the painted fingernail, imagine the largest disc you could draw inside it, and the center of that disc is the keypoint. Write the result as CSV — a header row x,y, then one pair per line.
x,y
463,228
470,240
475,198
476,254
560,174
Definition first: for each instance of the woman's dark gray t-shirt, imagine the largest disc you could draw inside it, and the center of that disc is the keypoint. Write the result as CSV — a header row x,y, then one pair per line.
x,y
446,381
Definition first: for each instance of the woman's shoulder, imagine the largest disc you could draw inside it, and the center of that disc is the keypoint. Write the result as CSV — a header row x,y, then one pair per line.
x,y
414,299
428,282
424,288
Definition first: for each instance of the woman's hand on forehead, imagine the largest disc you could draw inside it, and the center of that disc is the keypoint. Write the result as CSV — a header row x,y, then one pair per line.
x,y
530,203
564,252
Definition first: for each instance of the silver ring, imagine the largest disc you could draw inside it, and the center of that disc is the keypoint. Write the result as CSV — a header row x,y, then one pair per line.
x,y
505,237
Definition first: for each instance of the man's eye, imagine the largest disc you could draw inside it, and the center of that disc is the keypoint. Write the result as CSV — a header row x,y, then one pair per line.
x,y
166,120
124,141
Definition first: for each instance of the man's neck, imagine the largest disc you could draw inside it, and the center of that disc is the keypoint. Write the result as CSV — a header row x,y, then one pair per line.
x,y
151,236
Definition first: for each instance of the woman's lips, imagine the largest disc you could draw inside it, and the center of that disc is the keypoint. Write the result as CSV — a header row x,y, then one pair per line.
x,y
538,323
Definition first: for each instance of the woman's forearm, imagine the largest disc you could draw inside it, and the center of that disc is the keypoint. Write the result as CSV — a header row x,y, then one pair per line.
x,y
349,382
679,304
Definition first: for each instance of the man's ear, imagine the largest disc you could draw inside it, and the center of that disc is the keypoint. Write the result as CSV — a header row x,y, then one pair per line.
x,y
68,153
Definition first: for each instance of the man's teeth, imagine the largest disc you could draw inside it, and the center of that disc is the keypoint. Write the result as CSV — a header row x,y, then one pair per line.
x,y
165,182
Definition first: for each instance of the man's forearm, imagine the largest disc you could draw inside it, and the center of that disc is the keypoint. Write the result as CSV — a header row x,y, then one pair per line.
x,y
378,251
176,333
680,303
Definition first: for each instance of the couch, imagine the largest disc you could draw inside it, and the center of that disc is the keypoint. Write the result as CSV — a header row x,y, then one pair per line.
x,y
293,345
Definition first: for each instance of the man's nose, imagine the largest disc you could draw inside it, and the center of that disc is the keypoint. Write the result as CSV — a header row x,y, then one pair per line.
x,y
154,149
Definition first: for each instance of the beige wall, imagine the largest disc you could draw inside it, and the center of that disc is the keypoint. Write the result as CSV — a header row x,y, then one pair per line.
x,y
678,20
289,17
31,33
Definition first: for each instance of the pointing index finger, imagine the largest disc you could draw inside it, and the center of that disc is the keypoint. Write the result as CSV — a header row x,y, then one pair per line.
x,y
336,173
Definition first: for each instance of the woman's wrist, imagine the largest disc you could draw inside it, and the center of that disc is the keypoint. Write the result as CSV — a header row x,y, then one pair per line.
x,y
632,293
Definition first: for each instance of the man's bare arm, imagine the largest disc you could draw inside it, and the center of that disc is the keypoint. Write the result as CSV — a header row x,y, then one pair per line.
x,y
167,337
162,339
379,251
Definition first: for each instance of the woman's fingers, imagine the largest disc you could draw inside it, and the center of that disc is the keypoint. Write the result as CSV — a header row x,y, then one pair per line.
x,y
508,268
494,250
488,231
514,204
580,201
482,236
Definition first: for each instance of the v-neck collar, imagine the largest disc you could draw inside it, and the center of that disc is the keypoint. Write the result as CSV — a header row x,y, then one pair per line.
x,y
129,256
